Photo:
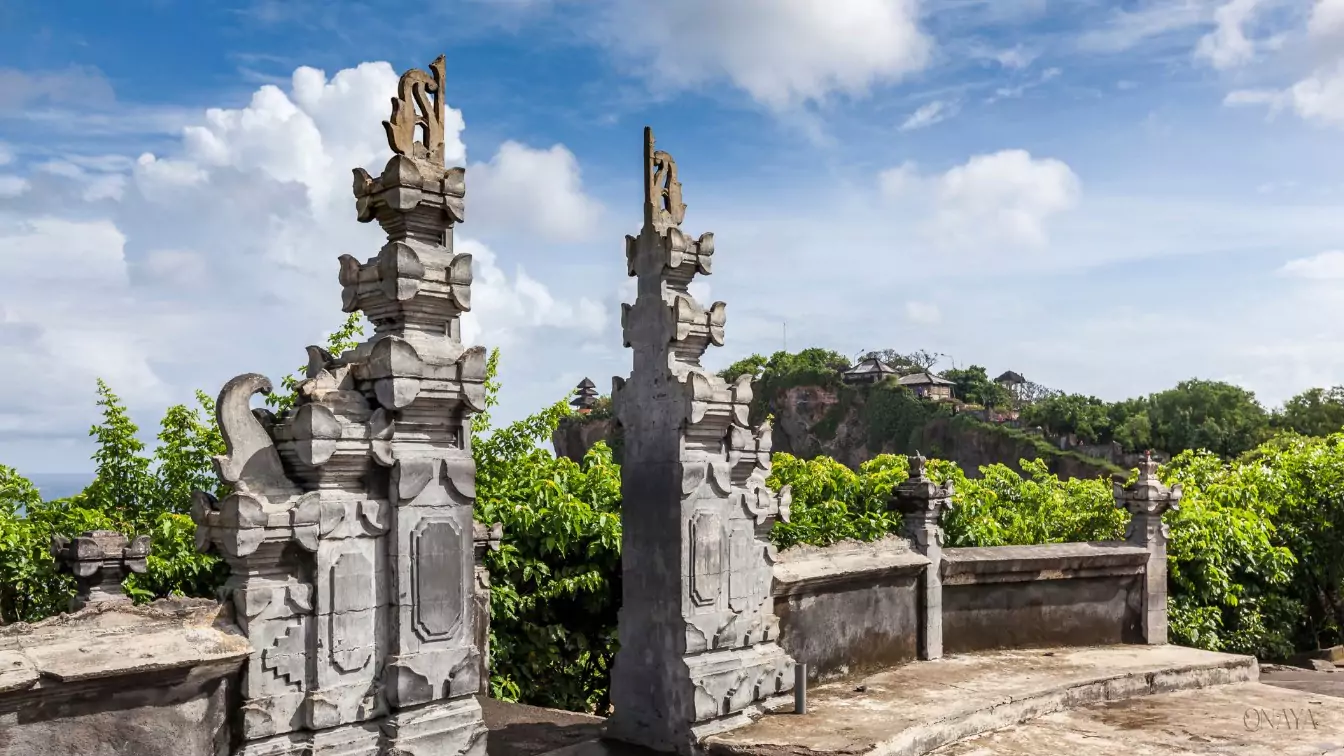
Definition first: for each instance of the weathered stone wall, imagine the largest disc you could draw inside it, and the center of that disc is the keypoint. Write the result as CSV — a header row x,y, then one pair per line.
x,y
849,607
159,680
1068,594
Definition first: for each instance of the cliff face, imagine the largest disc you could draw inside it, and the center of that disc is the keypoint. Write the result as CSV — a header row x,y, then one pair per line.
x,y
575,435
854,425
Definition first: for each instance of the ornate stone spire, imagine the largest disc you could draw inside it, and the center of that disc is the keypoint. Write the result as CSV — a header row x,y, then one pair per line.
x,y
697,628
349,527
922,503
1147,500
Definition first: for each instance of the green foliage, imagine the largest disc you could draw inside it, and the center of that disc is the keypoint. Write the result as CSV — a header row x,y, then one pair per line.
x,y
1314,412
896,418
833,503
339,342
785,370
1196,414
1086,417
1212,415
1003,508
556,578
123,483
975,387
131,493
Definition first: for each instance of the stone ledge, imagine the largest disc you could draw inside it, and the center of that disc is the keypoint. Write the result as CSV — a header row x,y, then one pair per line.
x,y
105,641
809,569
1052,561
912,710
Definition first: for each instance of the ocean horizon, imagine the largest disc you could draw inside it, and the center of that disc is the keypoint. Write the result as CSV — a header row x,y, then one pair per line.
x,y
60,485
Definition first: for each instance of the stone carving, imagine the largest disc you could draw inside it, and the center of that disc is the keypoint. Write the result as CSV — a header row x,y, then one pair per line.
x,y
100,560
922,503
348,526
697,626
1147,500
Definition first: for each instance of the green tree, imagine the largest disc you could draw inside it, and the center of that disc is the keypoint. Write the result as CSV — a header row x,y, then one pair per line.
x,y
556,578
1212,415
1314,412
1083,416
123,483
975,387
1129,424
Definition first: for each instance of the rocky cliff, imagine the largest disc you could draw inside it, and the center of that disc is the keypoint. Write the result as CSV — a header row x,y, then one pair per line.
x,y
854,424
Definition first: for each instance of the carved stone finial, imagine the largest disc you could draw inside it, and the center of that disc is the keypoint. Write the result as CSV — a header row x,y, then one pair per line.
x,y
1147,495
662,192
419,103
917,465
100,560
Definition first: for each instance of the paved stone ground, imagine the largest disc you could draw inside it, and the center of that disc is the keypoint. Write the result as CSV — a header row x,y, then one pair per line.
x,y
1291,712
917,707
1249,719
519,730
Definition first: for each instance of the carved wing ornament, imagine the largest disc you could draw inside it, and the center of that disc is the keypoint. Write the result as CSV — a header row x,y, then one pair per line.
x,y
419,103
665,189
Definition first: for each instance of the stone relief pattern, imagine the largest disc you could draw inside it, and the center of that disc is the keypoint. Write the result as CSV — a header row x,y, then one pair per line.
x,y
730,629
349,526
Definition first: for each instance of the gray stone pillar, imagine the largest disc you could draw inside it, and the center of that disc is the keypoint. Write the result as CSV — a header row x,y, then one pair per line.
x,y
697,626
100,560
1147,500
349,527
921,503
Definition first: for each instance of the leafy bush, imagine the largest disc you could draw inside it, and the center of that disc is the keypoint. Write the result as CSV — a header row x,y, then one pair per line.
x,y
556,578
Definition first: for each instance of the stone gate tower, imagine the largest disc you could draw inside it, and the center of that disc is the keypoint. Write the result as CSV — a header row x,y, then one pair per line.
x,y
697,625
349,526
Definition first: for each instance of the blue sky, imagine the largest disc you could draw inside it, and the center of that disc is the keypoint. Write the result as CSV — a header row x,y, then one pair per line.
x,y
1107,197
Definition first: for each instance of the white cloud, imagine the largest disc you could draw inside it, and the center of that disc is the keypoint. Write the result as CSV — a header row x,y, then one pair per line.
x,y
218,256
923,313
6,154
1017,57
1002,199
1327,19
781,52
1146,21
1227,45
533,191
12,186
929,114
1008,195
1326,266
1319,97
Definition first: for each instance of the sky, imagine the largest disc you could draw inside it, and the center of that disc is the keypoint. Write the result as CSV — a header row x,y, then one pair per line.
x,y
1107,197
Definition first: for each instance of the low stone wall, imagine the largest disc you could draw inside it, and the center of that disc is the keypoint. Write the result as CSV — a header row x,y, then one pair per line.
x,y
158,680
1067,594
849,607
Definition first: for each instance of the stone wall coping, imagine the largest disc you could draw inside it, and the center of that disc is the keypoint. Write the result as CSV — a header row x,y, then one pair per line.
x,y
105,641
1051,561
811,569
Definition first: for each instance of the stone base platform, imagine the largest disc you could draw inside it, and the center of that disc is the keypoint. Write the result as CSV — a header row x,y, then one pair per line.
x,y
923,706
1246,719
920,707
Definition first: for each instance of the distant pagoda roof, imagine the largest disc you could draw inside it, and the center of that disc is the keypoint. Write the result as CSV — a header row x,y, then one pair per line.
x,y
587,395
870,366
1010,377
